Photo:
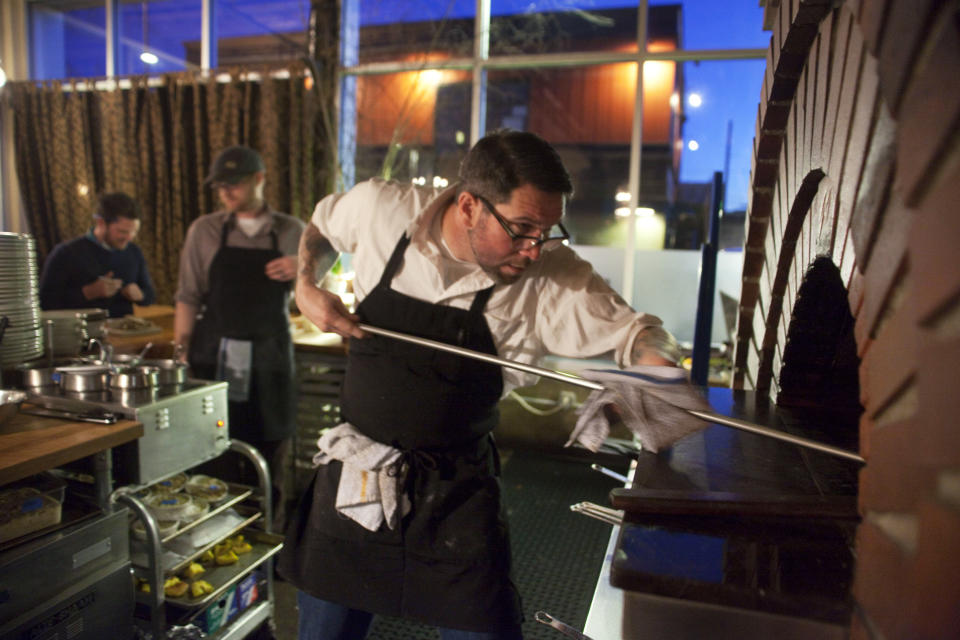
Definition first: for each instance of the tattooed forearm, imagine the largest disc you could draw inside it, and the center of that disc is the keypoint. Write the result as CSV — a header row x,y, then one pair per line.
x,y
316,255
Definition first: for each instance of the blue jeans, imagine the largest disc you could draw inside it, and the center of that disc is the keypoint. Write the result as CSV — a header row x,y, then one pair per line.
x,y
324,620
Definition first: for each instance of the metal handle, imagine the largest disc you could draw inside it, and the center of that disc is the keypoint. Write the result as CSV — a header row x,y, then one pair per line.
x,y
596,386
545,618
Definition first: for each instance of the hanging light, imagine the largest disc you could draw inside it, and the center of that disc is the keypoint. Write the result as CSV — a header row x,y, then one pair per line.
x,y
149,58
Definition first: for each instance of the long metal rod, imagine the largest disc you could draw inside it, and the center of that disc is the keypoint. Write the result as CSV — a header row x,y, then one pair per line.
x,y
596,386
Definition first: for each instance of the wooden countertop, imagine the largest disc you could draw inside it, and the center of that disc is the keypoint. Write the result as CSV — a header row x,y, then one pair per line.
x,y
31,444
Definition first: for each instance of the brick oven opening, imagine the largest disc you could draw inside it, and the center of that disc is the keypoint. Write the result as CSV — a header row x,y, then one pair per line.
x,y
820,363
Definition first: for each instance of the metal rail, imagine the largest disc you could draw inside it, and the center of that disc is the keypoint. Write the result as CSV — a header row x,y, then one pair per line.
x,y
596,386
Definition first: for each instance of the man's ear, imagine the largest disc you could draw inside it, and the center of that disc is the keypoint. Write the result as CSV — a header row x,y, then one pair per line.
x,y
468,210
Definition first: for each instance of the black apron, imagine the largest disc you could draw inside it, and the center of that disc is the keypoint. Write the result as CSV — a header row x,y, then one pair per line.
x,y
244,304
447,563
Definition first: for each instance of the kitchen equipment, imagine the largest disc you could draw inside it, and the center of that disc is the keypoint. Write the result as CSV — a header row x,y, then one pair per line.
x,y
41,373
170,371
589,384
83,378
19,299
91,415
137,377
183,425
131,359
75,580
10,400
74,328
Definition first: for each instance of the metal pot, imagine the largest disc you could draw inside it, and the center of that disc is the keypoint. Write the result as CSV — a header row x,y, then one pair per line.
x,y
171,371
10,400
83,378
33,375
139,377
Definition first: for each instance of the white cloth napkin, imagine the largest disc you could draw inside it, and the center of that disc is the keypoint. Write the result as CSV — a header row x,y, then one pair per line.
x,y
652,402
370,493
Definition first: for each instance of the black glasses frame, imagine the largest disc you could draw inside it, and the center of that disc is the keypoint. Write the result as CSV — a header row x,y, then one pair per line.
x,y
517,238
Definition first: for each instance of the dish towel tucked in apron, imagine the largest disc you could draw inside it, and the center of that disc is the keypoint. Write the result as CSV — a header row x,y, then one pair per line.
x,y
371,481
652,401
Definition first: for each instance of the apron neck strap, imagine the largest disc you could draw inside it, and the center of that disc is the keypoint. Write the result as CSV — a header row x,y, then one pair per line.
x,y
231,223
394,262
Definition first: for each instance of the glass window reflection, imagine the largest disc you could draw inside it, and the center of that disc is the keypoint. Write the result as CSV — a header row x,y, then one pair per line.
x,y
67,43
412,126
159,36
257,32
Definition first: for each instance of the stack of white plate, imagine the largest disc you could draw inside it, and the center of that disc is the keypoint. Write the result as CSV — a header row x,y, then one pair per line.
x,y
69,330
19,299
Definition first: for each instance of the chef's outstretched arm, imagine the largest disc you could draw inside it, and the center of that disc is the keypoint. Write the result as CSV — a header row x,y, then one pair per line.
x,y
323,308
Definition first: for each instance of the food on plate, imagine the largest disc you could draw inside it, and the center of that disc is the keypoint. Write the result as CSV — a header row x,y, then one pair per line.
x,y
168,506
225,558
193,570
240,546
209,488
172,484
174,587
198,507
200,588
130,323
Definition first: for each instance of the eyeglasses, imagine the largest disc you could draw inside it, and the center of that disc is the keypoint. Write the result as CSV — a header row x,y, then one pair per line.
x,y
520,240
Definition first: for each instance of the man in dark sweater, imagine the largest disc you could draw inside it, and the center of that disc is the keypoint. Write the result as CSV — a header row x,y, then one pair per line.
x,y
102,268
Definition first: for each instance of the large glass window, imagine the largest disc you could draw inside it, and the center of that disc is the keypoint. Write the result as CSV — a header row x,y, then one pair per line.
x,y
412,126
720,114
549,26
67,42
159,36
403,30
254,32
717,24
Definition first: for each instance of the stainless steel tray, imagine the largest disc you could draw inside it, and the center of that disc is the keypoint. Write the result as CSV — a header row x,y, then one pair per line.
x,y
265,546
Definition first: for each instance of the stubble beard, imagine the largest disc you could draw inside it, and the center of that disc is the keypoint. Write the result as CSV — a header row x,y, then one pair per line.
x,y
494,269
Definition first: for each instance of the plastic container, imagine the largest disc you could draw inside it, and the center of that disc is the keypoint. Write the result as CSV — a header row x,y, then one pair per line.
x,y
24,510
209,488
166,528
168,506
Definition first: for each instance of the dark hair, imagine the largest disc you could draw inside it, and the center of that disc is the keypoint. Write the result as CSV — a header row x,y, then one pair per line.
x,y
117,205
506,159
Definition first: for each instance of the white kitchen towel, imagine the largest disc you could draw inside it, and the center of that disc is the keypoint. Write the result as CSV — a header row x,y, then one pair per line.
x,y
652,402
370,491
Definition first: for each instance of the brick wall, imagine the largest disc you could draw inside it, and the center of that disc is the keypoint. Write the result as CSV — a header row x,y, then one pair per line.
x,y
856,159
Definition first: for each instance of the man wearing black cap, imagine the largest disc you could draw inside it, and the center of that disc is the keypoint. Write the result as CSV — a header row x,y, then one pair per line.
x,y
232,302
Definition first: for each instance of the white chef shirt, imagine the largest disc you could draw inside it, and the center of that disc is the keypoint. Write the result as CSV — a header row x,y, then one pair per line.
x,y
560,305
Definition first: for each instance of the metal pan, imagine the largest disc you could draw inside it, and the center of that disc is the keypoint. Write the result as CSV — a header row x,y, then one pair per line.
x,y
83,378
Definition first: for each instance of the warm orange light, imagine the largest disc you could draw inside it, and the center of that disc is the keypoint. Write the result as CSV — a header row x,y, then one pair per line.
x,y
221,423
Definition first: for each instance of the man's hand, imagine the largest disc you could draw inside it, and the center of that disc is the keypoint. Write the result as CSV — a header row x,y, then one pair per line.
x,y
132,292
282,269
326,310
105,286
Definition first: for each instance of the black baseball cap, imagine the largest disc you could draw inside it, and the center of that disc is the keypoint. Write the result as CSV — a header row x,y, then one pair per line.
x,y
233,164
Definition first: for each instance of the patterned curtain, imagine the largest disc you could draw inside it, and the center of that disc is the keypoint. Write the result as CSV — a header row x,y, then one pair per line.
x,y
155,140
